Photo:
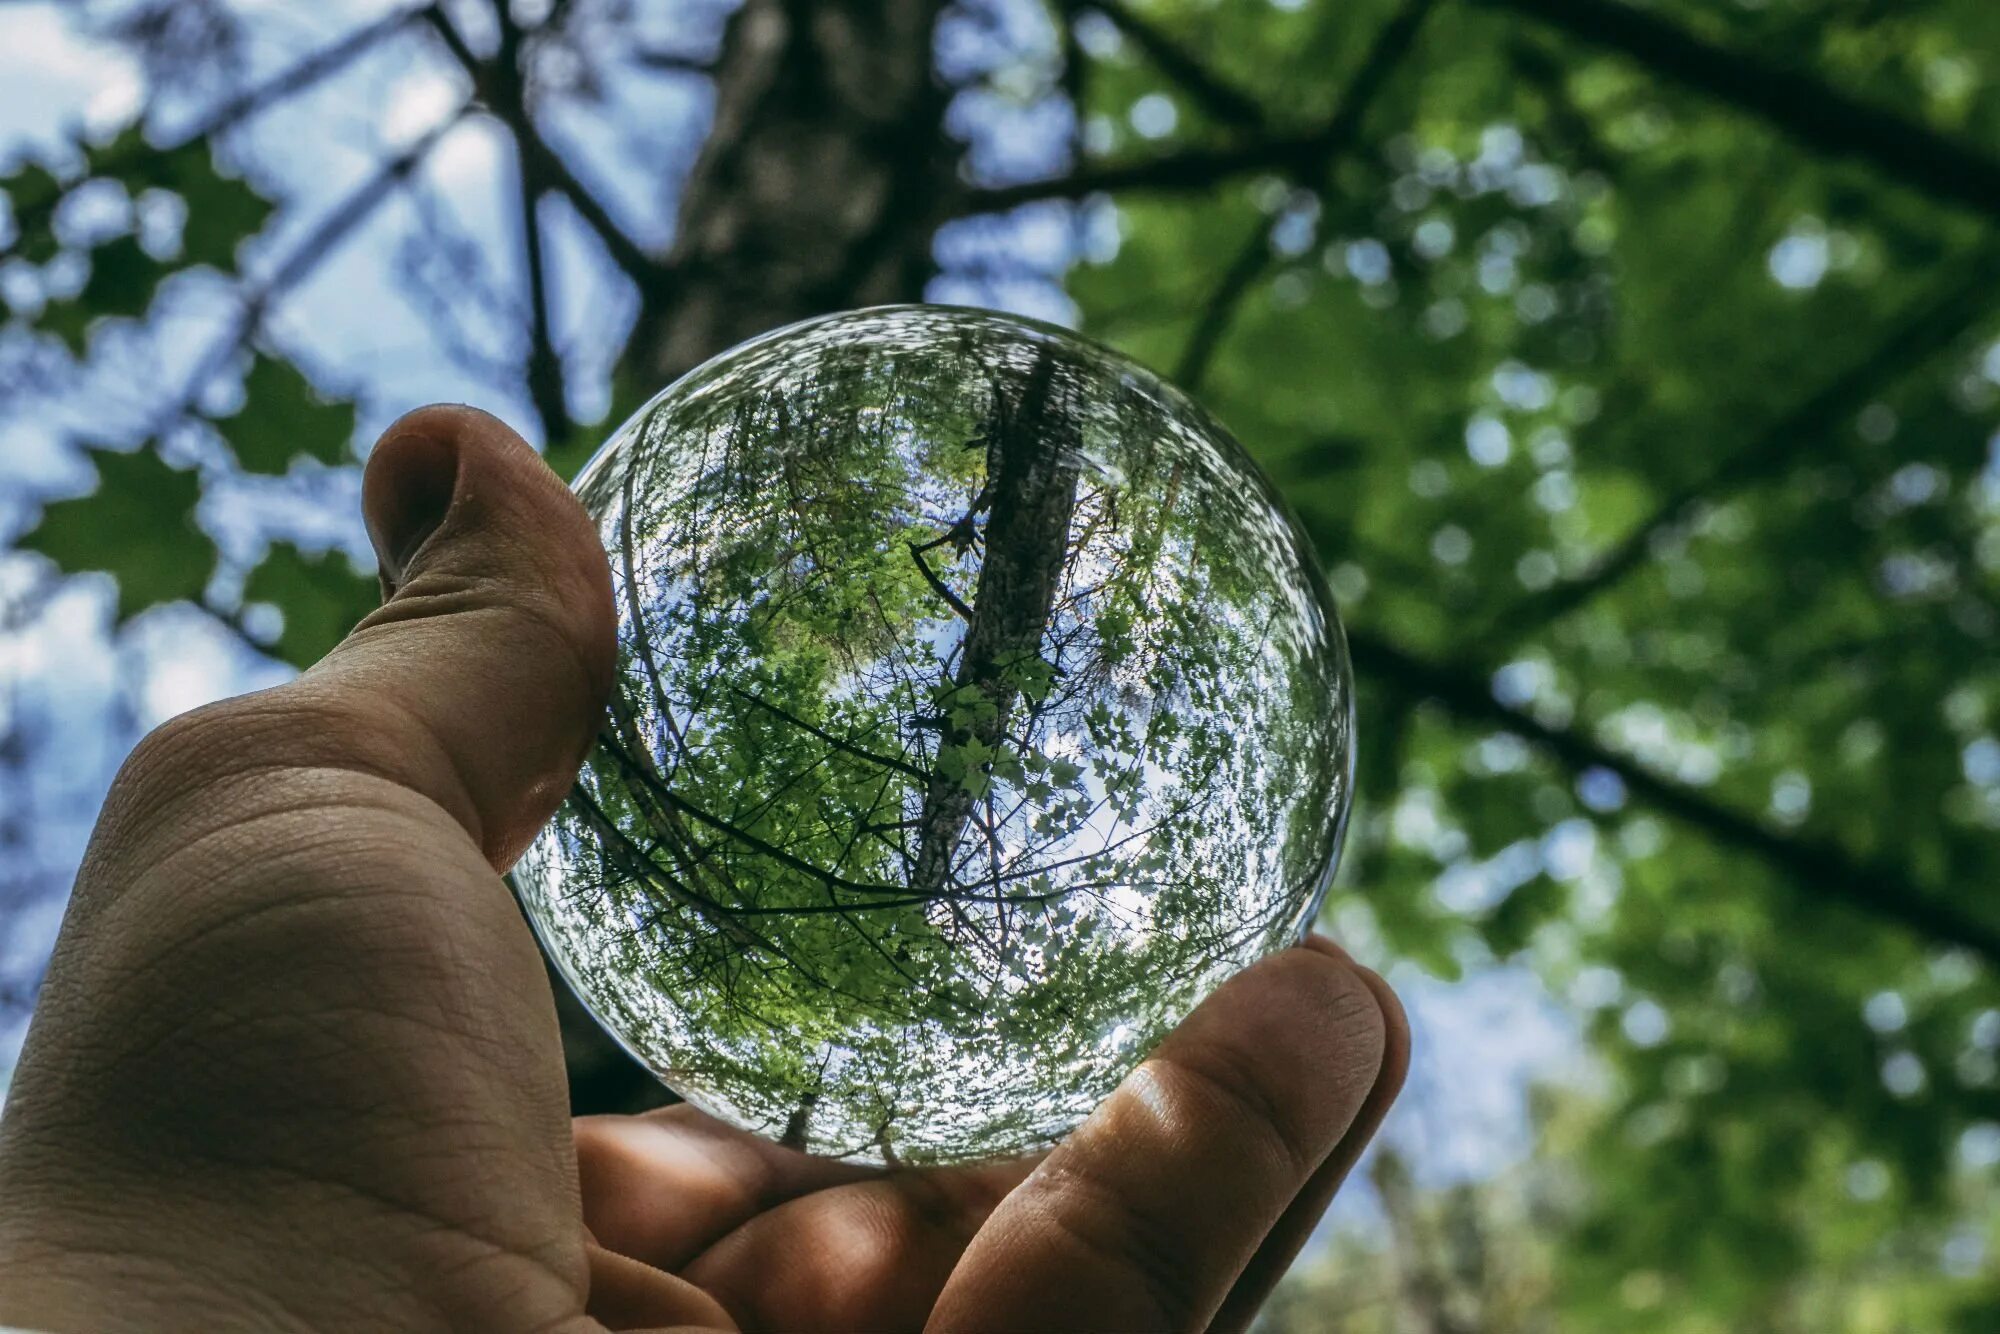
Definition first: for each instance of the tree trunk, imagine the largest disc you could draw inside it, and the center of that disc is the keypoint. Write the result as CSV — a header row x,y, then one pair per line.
x,y
822,179
1031,475
824,174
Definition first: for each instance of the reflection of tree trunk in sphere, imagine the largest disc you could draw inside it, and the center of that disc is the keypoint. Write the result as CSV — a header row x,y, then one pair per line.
x,y
976,716
1031,476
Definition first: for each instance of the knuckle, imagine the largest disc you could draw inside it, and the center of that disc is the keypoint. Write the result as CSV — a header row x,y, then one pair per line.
x,y
244,735
1229,1087
200,774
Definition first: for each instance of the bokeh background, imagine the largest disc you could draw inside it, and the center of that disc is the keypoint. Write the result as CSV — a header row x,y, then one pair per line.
x,y
1633,367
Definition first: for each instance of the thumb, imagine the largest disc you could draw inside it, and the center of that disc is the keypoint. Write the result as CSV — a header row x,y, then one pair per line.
x,y
294,1037
487,667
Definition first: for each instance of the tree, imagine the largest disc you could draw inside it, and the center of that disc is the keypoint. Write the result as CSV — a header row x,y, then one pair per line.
x,y
1630,368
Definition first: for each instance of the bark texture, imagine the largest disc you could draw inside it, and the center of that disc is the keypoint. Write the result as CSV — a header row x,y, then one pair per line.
x,y
825,172
1031,471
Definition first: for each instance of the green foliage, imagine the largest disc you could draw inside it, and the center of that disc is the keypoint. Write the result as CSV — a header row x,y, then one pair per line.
x,y
32,192
220,211
137,525
285,418
1504,1256
321,597
1538,312
122,280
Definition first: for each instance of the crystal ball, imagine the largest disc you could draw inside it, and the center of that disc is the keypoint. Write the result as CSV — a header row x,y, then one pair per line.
x,y
979,710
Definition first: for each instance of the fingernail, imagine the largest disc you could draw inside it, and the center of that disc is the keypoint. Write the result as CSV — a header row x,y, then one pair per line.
x,y
406,494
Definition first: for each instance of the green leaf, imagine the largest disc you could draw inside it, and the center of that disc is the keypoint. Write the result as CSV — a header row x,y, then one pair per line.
x,y
123,157
138,526
67,320
283,417
123,278
32,193
321,597
222,211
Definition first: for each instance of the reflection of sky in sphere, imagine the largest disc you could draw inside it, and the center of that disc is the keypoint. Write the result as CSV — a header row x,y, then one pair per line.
x,y
980,712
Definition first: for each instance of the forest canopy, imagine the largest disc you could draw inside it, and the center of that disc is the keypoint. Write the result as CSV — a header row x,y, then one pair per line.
x,y
1633,370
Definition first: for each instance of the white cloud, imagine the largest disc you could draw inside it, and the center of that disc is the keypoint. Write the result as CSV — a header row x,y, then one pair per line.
x,y
52,78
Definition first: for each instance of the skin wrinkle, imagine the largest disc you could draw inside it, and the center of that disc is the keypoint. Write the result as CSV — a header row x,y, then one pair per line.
x,y
238,733
209,1021
293,1030
171,1281
338,1018
887,1239
438,610
512,562
193,1191
312,709
316,838
740,1173
341,902
1130,1241
902,1198
439,779
550,1259
1235,1080
498,831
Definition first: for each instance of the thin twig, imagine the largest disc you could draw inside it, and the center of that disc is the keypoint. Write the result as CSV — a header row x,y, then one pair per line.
x,y
1194,169
1931,323
1392,45
625,252
1220,98
1808,110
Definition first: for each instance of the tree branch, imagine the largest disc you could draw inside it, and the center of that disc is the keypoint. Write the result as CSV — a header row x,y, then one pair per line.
x,y
1881,889
1220,98
249,103
544,370
1933,322
1182,171
1385,54
1808,111
308,71
939,586
1219,311
546,164
846,747
312,250
676,62
1192,169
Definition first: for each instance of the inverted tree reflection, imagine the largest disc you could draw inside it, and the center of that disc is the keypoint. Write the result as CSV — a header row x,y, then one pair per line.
x,y
977,713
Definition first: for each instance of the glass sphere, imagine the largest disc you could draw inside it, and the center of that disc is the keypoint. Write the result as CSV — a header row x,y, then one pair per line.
x,y
979,710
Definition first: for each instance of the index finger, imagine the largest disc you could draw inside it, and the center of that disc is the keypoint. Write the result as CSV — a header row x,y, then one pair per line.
x,y
1145,1216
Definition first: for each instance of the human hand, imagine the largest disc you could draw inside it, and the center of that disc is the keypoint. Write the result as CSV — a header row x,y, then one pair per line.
x,y
296,1065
